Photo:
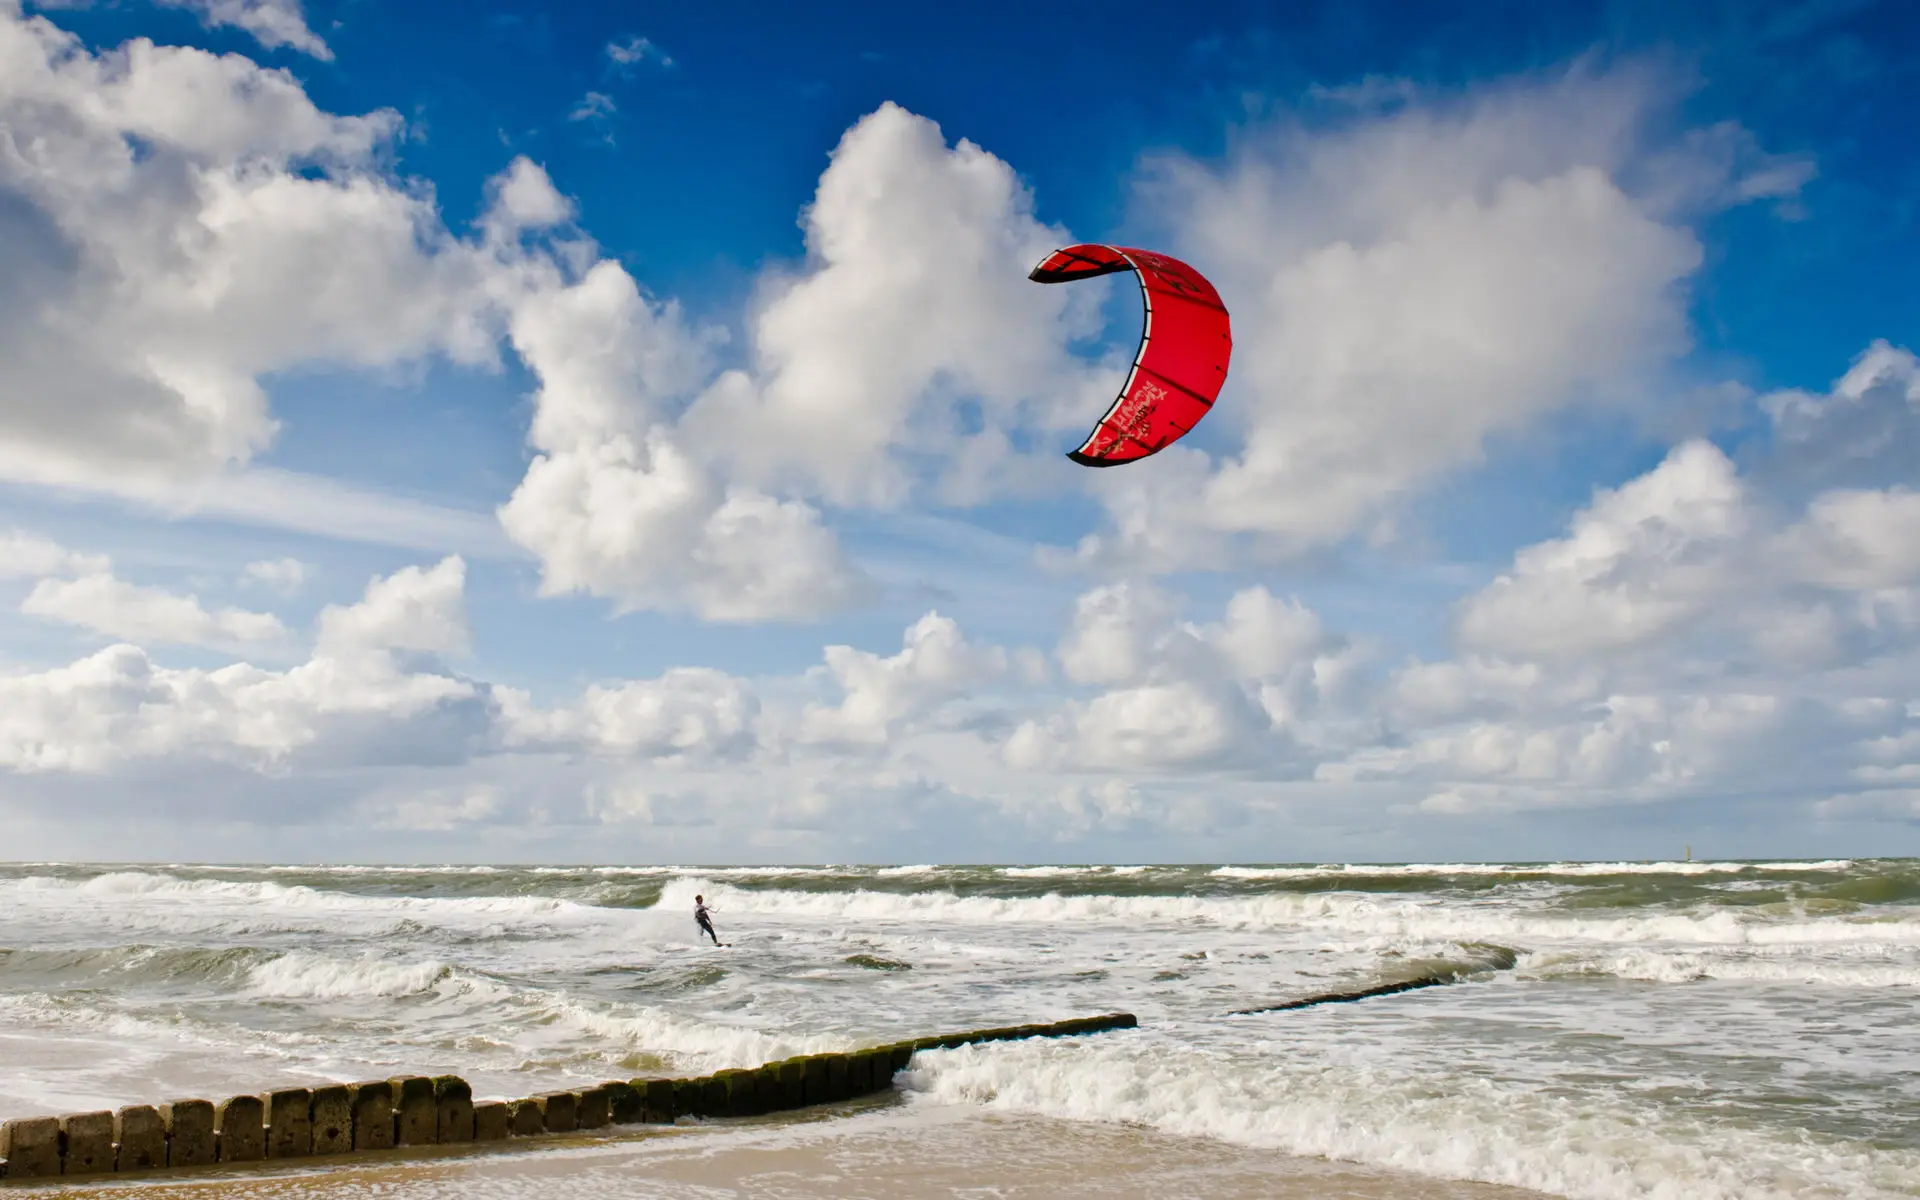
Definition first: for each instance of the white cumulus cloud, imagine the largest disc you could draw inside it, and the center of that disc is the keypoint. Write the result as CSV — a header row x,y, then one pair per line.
x,y
1699,629
362,697
117,609
24,556
1638,563
178,224
935,662
273,23
1407,286
614,504
686,713
914,297
283,575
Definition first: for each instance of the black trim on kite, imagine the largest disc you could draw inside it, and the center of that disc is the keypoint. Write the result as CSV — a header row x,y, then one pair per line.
x,y
1087,460
1093,271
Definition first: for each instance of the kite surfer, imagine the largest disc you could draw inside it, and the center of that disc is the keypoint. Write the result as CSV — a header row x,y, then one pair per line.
x,y
702,919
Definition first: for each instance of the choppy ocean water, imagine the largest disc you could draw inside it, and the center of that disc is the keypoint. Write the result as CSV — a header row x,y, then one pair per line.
x,y
1664,1029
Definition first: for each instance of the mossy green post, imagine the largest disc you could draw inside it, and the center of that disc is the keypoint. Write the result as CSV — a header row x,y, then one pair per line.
x,y
624,1102
373,1123
742,1095
859,1073
688,1098
416,1121
838,1088
715,1095
331,1119
791,1074
31,1146
525,1118
240,1132
560,1111
901,1054
139,1139
594,1109
289,1116
814,1081
766,1089
491,1121
658,1100
86,1143
189,1125
452,1110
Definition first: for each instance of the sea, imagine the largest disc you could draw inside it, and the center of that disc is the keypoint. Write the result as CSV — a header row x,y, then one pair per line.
x,y
1611,1029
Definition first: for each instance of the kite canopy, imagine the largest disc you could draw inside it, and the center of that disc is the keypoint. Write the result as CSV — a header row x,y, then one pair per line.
x,y
1184,348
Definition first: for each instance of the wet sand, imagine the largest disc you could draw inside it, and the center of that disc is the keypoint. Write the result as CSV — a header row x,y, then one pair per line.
x,y
879,1151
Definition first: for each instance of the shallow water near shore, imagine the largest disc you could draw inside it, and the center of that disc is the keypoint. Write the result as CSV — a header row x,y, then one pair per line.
x,y
1618,1030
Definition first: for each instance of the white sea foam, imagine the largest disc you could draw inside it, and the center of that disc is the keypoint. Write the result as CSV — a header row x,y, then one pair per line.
x,y
701,1045
32,1011
1682,967
1275,872
721,872
1344,913
302,975
1473,1129
214,899
1572,870
346,870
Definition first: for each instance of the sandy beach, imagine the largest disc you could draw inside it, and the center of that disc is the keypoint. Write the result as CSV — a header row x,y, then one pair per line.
x,y
883,1150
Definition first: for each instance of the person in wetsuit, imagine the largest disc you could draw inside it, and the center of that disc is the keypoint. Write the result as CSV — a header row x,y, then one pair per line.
x,y
703,920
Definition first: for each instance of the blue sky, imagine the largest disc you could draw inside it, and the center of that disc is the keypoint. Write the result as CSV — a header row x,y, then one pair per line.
x,y
626,432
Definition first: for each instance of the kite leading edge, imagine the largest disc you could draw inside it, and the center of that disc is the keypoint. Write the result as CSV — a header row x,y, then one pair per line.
x,y
1185,343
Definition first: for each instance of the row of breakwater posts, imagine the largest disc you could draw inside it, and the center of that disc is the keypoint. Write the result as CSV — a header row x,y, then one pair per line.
x,y
415,1111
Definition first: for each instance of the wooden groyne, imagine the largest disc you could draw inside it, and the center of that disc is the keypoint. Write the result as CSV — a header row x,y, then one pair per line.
x,y
412,1111
1385,989
1493,958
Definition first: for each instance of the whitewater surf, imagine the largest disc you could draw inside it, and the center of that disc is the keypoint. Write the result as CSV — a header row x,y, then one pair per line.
x,y
1609,1029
